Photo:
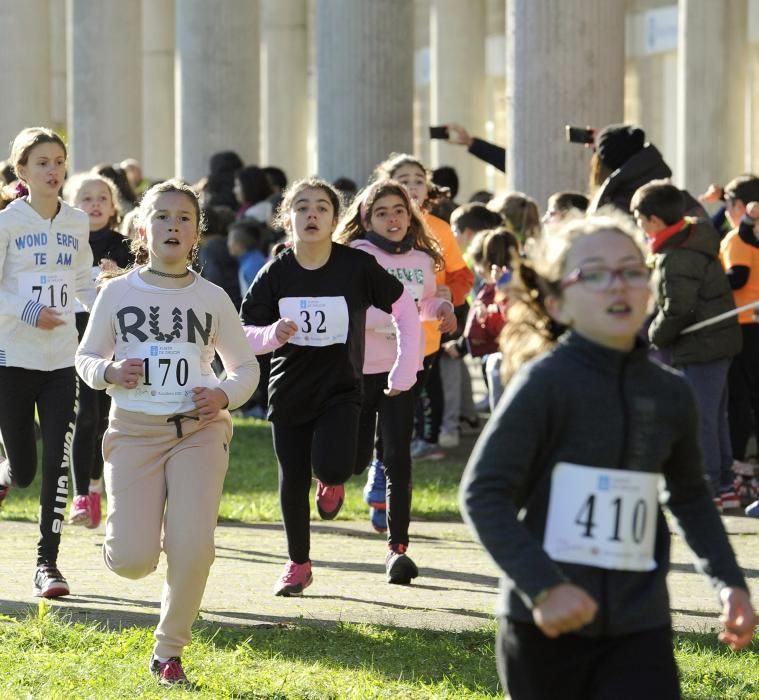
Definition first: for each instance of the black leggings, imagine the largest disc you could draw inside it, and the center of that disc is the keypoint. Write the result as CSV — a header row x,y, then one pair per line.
x,y
394,416
429,407
89,427
571,667
743,392
53,394
328,443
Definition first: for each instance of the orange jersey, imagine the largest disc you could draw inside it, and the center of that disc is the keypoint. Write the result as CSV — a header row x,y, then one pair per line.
x,y
456,275
734,252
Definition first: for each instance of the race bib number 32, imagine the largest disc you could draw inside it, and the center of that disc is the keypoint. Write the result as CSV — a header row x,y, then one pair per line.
x,y
602,517
321,321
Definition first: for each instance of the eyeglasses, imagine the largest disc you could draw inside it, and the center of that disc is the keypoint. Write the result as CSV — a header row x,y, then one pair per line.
x,y
599,279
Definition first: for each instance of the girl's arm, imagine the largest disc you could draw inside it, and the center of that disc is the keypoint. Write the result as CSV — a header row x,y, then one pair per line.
x,y
430,308
85,287
242,371
260,315
95,352
409,334
499,468
12,303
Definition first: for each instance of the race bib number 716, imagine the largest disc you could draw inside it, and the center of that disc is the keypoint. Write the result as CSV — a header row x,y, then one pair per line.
x,y
602,517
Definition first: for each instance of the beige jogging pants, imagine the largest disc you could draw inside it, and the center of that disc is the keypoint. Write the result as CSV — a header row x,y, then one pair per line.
x,y
164,492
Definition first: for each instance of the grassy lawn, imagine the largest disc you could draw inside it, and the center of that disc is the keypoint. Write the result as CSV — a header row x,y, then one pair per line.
x,y
46,655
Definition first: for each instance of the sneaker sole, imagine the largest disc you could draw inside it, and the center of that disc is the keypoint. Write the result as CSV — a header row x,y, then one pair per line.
x,y
80,519
329,515
53,592
402,572
294,591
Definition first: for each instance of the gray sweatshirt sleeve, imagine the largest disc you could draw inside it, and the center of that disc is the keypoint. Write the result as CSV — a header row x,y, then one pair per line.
x,y
502,463
689,499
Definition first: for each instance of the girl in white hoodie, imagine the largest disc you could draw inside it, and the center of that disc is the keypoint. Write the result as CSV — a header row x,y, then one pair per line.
x,y
45,262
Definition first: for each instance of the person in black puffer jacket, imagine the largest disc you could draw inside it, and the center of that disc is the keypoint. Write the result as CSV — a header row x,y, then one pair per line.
x,y
623,161
692,287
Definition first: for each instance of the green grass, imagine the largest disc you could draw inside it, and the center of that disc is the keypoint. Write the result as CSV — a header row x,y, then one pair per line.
x,y
48,656
250,489
52,658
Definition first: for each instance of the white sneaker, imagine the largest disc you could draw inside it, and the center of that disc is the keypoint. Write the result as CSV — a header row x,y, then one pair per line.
x,y
448,439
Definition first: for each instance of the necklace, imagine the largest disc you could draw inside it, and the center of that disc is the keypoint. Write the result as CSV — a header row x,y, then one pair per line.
x,y
169,274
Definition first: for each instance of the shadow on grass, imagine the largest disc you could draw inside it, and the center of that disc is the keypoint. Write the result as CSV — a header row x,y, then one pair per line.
x,y
464,659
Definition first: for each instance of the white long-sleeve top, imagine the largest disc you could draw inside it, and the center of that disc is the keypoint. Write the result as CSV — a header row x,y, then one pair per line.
x,y
175,332
43,263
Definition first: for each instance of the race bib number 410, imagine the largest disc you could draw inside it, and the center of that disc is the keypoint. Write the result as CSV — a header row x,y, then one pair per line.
x,y
602,517
321,321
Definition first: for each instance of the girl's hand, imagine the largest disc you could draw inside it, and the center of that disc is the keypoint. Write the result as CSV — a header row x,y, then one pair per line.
x,y
738,618
49,319
392,392
209,401
447,319
285,330
124,373
451,349
444,292
566,609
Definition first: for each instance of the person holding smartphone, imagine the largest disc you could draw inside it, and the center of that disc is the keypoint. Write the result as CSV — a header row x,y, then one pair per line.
x,y
484,150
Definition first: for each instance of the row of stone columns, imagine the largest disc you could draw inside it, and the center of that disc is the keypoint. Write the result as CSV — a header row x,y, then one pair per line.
x,y
172,81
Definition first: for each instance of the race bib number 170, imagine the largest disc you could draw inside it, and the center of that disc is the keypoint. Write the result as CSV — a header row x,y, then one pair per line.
x,y
170,372
602,517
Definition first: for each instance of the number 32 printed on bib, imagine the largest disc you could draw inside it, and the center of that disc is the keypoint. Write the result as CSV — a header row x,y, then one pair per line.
x,y
321,320
602,517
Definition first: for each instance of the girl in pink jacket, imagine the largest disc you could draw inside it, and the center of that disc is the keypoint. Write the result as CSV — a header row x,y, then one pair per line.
x,y
384,222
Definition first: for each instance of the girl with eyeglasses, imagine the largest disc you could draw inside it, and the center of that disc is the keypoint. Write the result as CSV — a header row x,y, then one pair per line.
x,y
564,486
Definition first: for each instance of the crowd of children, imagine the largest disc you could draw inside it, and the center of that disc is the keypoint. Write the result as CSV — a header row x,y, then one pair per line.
x,y
360,318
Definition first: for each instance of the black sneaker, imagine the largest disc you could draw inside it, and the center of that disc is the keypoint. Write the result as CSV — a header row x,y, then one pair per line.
x,y
400,567
49,582
168,672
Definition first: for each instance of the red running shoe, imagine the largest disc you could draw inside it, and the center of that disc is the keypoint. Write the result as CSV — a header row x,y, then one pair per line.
x,y
96,511
168,672
329,500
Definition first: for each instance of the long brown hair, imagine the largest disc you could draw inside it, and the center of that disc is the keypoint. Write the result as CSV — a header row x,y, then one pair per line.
x,y
388,167
354,223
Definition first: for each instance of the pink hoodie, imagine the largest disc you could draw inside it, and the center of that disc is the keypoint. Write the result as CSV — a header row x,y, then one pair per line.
x,y
415,270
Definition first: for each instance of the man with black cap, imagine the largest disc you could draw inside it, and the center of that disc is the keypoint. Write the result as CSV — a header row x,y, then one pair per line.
x,y
623,161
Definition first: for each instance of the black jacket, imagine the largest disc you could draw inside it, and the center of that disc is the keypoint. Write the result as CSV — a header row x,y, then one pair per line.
x,y
489,152
691,286
646,165
586,404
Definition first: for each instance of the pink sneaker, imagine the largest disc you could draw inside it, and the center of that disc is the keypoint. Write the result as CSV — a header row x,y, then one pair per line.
x,y
80,511
329,500
96,512
169,672
294,579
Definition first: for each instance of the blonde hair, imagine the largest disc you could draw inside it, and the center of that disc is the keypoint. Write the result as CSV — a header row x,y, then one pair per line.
x,y
530,330
77,182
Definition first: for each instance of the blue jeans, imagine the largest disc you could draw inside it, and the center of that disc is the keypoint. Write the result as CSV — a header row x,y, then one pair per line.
x,y
709,383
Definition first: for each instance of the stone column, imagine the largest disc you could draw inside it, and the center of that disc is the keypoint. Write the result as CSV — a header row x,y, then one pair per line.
x,y
564,65
57,26
103,65
158,88
364,58
25,81
711,81
217,83
284,86
457,49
